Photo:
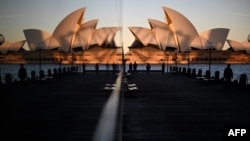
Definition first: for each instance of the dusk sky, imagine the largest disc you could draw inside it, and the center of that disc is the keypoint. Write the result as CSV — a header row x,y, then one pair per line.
x,y
17,15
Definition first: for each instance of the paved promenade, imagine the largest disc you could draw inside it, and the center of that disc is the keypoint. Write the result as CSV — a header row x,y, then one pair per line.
x,y
166,107
178,108
61,109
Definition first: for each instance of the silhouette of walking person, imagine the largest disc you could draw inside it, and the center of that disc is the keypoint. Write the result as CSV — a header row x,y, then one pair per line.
x,y
83,68
163,67
107,67
228,75
114,67
96,68
148,67
22,73
130,67
135,67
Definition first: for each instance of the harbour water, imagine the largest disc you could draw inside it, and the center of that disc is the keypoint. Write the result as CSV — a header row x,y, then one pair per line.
x,y
238,69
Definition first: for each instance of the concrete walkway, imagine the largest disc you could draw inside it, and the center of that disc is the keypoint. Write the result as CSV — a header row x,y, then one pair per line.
x,y
61,109
166,107
177,108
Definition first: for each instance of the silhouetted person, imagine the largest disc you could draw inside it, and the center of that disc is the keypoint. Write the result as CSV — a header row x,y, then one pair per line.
x,y
22,74
148,67
83,68
135,67
114,67
130,66
163,67
228,75
107,67
96,67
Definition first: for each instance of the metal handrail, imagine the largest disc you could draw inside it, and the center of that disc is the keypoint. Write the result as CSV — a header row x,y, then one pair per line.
x,y
105,130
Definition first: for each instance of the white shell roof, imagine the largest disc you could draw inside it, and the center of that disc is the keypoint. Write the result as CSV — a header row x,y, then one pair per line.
x,y
16,46
178,32
71,33
4,47
9,46
34,38
239,46
216,36
66,29
144,35
183,30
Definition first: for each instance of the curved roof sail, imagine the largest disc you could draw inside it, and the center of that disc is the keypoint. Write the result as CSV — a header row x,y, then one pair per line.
x,y
86,33
11,47
17,46
216,36
65,32
162,34
34,37
144,35
247,46
235,45
200,43
239,46
104,35
183,30
4,47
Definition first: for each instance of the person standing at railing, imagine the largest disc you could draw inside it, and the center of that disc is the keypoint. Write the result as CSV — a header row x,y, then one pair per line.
x,y
22,73
130,67
228,75
148,67
163,67
135,67
96,67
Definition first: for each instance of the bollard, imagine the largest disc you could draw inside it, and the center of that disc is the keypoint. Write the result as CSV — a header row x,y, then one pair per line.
x,y
179,71
8,78
217,76
188,71
41,74
33,75
49,72
208,74
174,69
199,73
243,80
77,68
55,72
194,73
64,70
59,71
184,70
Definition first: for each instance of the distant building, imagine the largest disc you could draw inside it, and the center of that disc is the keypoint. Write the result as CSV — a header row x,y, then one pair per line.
x,y
173,41
178,36
74,40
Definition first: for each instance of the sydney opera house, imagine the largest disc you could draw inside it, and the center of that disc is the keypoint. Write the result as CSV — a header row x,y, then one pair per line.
x,y
177,40
174,40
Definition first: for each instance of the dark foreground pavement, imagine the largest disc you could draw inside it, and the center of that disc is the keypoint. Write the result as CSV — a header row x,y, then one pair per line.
x,y
177,108
166,107
61,109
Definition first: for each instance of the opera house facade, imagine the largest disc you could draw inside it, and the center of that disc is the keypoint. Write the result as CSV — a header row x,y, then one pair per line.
x,y
177,41
76,41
